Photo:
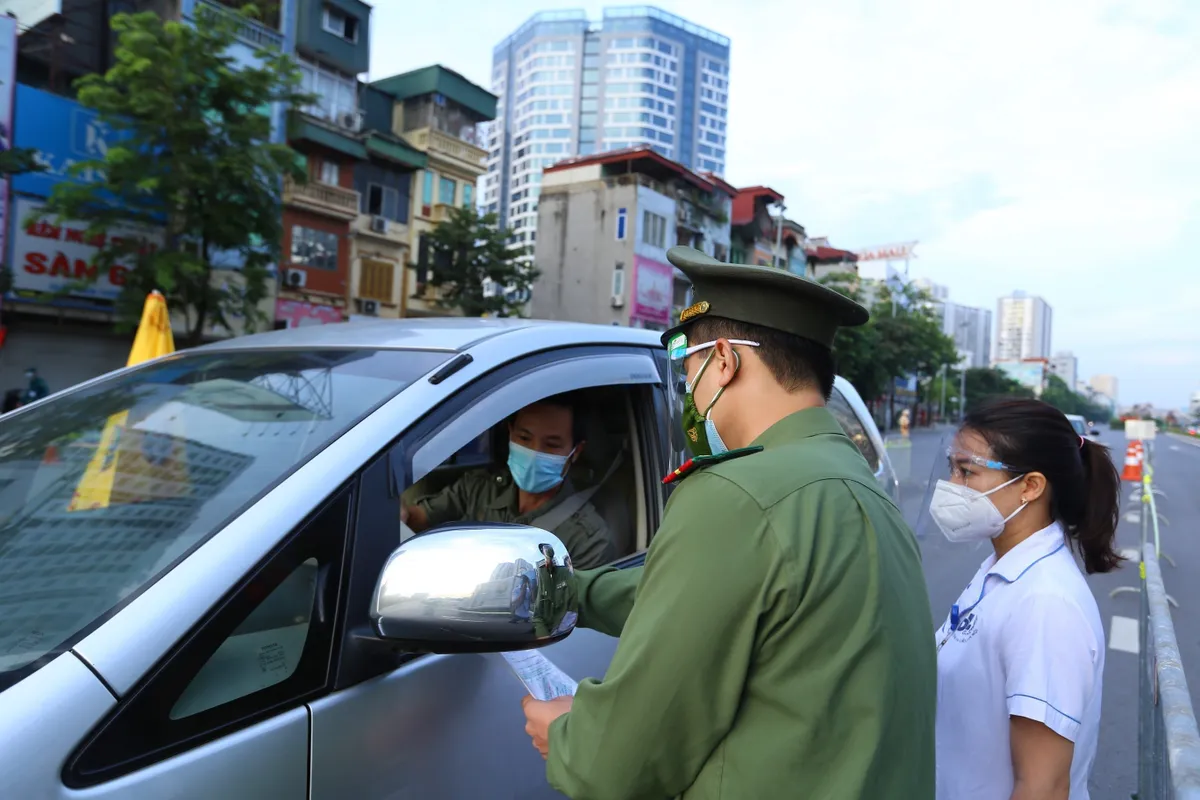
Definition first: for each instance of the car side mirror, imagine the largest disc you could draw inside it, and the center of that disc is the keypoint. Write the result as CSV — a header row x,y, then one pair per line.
x,y
1094,432
476,589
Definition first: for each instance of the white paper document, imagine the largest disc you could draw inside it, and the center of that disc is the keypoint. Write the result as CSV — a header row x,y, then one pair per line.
x,y
541,677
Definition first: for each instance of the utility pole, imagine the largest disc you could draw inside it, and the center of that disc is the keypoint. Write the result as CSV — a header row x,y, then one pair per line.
x,y
778,237
962,392
942,405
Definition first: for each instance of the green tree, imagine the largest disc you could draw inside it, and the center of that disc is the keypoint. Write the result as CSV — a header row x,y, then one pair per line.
x,y
475,268
1068,401
193,158
984,384
905,341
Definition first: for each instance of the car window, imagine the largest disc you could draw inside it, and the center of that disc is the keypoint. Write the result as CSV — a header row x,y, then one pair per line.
x,y
854,428
104,488
1078,425
594,431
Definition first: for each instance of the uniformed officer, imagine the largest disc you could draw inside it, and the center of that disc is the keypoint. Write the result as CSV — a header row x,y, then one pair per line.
x,y
776,643
545,439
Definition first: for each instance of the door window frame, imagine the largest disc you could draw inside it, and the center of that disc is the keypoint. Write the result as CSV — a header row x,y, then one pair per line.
x,y
376,532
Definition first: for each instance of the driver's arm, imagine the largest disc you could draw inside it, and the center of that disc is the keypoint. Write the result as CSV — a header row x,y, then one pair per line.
x,y
454,503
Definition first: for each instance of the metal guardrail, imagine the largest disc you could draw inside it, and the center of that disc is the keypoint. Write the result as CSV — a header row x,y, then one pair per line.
x,y
1168,738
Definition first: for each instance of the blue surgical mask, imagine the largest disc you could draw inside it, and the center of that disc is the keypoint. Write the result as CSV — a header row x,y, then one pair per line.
x,y
536,472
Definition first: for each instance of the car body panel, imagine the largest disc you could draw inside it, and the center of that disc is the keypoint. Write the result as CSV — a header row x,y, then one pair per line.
x,y
42,719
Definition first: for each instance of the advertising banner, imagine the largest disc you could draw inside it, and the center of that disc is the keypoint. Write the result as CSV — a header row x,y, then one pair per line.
x,y
653,291
297,313
63,133
51,258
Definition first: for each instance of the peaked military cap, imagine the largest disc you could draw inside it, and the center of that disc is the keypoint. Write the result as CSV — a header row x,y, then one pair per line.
x,y
763,296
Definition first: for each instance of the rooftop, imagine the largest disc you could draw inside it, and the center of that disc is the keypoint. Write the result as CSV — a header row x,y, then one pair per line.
x,y
641,160
746,201
444,81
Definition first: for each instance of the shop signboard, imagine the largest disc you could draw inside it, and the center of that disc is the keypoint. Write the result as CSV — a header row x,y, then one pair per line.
x,y
297,313
653,291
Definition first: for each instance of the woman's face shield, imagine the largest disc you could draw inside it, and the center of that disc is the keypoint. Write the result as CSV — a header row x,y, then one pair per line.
x,y
963,459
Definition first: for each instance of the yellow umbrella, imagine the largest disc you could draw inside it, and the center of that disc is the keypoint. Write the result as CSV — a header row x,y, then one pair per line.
x,y
153,339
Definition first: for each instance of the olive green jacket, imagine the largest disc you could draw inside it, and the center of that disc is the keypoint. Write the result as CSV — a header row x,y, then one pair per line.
x,y
775,645
479,496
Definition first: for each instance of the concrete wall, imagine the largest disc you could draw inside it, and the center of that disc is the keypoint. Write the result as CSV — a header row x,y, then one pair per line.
x,y
578,252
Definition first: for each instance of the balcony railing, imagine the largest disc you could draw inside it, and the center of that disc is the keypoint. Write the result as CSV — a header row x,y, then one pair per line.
x,y
441,144
252,33
322,198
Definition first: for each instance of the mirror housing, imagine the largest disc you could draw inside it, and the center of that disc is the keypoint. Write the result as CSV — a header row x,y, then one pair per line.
x,y
476,588
1094,432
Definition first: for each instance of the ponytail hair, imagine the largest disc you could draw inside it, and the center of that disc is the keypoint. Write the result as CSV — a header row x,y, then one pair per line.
x,y
1085,489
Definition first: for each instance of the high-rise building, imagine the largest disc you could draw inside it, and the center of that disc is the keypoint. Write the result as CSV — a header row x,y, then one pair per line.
x,y
570,87
1066,366
1105,385
1022,328
971,330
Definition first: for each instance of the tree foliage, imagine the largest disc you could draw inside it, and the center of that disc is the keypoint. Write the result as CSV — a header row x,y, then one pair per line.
x,y
909,342
475,268
1068,401
192,157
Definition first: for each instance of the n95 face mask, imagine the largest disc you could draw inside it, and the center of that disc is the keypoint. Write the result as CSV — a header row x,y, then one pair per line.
x,y
964,514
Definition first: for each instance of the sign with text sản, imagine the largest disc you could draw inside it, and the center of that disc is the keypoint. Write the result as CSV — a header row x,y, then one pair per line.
x,y
50,257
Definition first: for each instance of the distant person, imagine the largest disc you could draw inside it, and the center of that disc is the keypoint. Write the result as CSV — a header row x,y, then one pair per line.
x,y
545,439
1021,653
37,388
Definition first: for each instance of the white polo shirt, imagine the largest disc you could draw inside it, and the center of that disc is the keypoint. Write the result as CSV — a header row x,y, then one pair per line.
x,y
1028,642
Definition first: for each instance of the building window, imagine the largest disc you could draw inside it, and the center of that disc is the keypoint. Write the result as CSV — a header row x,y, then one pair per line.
x,y
621,222
427,192
313,248
468,195
618,280
336,94
340,24
654,229
329,173
446,189
382,201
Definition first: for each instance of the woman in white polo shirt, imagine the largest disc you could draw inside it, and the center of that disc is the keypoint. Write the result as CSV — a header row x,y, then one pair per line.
x,y
1021,653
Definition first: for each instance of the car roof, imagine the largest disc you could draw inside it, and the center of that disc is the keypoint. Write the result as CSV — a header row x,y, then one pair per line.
x,y
453,334
1073,416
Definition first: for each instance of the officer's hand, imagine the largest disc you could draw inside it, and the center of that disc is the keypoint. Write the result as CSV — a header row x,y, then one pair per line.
x,y
538,716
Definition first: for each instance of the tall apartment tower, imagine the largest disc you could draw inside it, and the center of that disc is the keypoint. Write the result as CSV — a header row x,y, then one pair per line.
x,y
1022,328
568,87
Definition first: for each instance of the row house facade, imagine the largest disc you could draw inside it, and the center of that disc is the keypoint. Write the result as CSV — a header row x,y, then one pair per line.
x,y
605,223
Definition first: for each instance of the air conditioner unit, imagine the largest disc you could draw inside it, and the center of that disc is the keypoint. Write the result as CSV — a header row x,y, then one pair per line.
x,y
618,301
379,224
369,307
350,120
294,278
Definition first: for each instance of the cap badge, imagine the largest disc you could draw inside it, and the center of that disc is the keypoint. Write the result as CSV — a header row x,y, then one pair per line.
x,y
694,310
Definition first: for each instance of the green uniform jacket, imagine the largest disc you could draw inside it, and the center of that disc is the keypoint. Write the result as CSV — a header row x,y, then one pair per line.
x,y
775,645
479,496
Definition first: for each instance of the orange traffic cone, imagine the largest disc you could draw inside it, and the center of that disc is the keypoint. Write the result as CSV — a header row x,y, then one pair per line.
x,y
51,455
1133,463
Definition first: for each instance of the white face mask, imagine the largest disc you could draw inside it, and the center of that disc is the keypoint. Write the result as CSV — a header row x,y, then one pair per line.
x,y
964,514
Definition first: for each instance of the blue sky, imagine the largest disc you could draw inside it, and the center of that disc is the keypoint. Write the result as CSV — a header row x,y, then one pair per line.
x,y
1051,146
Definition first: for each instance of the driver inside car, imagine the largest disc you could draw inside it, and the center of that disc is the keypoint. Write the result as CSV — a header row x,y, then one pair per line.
x,y
545,439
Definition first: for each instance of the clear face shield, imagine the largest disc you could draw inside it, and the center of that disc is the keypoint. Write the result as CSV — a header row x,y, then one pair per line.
x,y
680,354
961,465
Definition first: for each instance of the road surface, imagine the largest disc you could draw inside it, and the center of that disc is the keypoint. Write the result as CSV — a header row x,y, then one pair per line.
x,y
948,568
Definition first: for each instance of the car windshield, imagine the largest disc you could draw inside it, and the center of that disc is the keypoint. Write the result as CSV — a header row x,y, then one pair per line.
x,y
104,488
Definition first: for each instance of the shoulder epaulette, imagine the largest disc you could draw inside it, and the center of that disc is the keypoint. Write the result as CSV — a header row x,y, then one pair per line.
x,y
699,462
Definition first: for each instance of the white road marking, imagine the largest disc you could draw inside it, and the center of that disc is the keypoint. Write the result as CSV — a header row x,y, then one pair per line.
x,y
1124,635
1130,554
1133,516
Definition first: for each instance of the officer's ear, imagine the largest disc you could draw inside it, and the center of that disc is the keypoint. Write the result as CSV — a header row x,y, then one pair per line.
x,y
725,362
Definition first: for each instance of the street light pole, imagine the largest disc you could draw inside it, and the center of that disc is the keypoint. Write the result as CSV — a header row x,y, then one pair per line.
x,y
962,393
942,405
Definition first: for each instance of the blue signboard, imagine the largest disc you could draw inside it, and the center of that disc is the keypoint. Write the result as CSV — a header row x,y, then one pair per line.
x,y
63,133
